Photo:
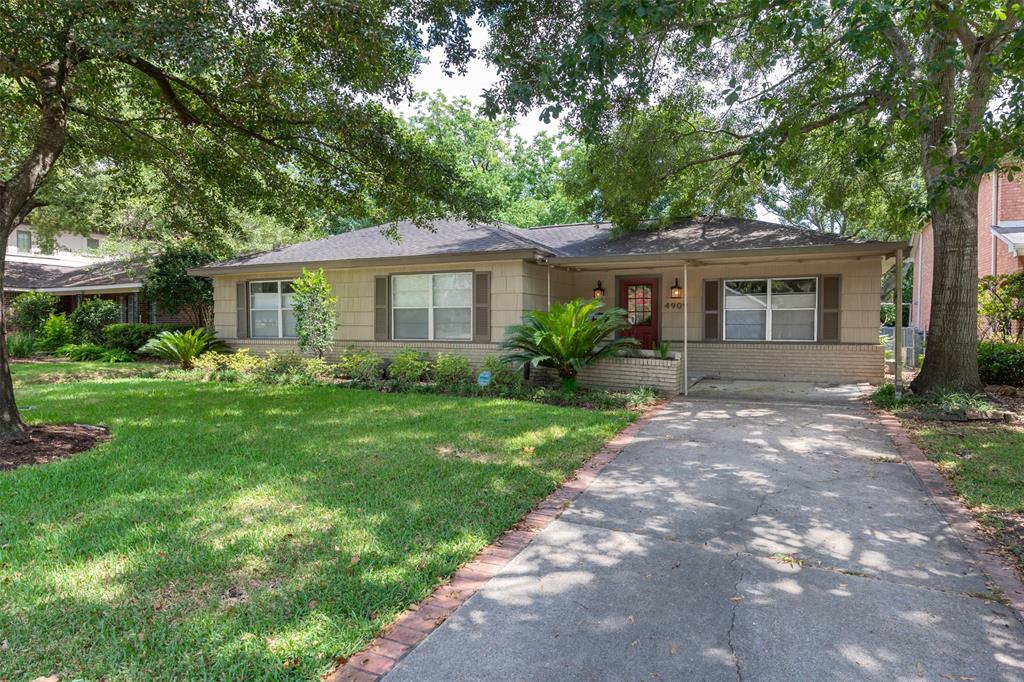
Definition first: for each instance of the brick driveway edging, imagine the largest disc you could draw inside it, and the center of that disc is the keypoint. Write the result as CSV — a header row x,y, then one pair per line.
x,y
419,620
984,551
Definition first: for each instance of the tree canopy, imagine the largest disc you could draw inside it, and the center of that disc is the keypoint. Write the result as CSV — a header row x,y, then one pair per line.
x,y
743,87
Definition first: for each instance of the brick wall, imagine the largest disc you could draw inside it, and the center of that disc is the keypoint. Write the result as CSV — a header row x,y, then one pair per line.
x,y
624,374
827,363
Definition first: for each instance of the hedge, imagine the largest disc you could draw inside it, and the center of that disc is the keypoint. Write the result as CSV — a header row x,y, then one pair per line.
x,y
131,336
1001,363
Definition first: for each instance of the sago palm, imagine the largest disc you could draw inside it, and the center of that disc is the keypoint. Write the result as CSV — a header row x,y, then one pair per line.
x,y
567,338
182,347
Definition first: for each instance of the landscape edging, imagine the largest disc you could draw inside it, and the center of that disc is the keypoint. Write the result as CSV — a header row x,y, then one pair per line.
x,y
419,620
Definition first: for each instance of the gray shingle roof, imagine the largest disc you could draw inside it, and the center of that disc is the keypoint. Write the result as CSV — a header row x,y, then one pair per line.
x,y
585,240
447,237
20,275
715,233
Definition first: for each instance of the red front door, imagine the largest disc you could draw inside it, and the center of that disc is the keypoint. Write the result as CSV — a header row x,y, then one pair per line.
x,y
639,297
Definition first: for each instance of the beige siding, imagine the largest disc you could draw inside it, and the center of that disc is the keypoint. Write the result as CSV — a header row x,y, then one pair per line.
x,y
353,288
861,291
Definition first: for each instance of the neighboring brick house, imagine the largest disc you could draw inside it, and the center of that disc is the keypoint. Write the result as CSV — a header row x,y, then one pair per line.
x,y
1000,242
73,275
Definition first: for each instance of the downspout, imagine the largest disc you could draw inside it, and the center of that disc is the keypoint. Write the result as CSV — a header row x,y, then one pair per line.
x,y
995,218
549,286
897,345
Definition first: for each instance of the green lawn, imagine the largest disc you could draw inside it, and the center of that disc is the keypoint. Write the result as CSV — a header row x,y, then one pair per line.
x,y
67,371
255,532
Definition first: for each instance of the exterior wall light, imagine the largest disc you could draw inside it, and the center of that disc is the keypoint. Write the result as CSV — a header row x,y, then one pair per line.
x,y
599,290
676,291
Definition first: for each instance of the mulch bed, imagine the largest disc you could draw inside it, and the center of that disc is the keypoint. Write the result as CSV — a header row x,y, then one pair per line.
x,y
49,442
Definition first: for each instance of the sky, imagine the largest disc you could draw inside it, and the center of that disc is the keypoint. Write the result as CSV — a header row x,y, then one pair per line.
x,y
479,75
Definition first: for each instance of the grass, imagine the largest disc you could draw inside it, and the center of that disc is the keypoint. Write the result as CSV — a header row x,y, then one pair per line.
x,y
68,371
255,532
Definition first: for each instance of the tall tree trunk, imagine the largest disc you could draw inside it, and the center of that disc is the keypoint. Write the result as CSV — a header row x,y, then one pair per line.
x,y
951,360
17,201
11,426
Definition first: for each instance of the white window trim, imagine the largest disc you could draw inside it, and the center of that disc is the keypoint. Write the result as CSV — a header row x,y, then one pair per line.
x,y
17,240
430,306
768,309
280,310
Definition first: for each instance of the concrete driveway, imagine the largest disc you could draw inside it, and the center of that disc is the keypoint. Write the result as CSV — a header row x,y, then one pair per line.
x,y
737,539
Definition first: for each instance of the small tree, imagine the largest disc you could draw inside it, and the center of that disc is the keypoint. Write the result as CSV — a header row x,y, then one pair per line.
x,y
567,338
30,310
170,287
314,308
91,316
1001,303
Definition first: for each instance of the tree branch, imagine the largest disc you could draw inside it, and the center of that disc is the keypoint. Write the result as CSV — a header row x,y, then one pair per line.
x,y
163,82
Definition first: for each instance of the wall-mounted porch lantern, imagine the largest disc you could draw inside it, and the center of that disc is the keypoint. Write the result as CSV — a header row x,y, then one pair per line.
x,y
676,291
599,290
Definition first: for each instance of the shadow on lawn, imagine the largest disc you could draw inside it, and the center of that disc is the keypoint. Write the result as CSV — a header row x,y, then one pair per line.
x,y
242,528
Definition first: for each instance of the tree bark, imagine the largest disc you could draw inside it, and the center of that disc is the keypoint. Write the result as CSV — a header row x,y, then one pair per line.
x,y
16,201
951,360
11,426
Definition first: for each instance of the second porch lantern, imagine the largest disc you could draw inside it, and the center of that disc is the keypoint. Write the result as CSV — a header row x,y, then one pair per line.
x,y
676,291
599,290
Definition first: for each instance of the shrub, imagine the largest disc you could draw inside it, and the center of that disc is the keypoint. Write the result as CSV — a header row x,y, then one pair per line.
x,y
1001,363
20,345
505,379
314,308
182,347
292,368
90,317
81,352
242,362
55,332
30,310
116,355
408,366
131,336
173,290
451,370
360,365
567,338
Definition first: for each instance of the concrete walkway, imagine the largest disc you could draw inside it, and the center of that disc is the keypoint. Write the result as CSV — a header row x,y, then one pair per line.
x,y
737,540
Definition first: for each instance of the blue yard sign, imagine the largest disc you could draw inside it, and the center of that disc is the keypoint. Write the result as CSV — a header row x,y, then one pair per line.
x,y
484,379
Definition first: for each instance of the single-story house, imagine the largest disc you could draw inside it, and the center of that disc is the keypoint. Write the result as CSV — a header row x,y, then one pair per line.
x,y
115,280
732,297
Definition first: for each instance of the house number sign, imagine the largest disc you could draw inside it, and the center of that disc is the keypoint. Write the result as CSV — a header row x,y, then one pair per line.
x,y
673,305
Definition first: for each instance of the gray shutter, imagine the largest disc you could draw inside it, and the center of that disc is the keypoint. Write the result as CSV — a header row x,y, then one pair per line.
x,y
829,305
241,310
712,310
381,309
482,307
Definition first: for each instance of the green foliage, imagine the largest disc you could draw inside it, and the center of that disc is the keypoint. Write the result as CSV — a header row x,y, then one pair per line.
x,y
504,377
30,310
168,284
182,347
1001,303
664,350
363,366
55,332
944,402
90,317
1001,363
131,336
315,311
567,338
20,345
82,352
116,355
450,370
292,368
524,179
408,366
241,362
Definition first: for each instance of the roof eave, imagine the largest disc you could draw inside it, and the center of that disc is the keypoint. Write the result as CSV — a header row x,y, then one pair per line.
x,y
866,248
243,268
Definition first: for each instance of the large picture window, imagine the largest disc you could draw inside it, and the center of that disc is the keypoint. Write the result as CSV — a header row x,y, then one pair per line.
x,y
432,307
270,310
771,309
